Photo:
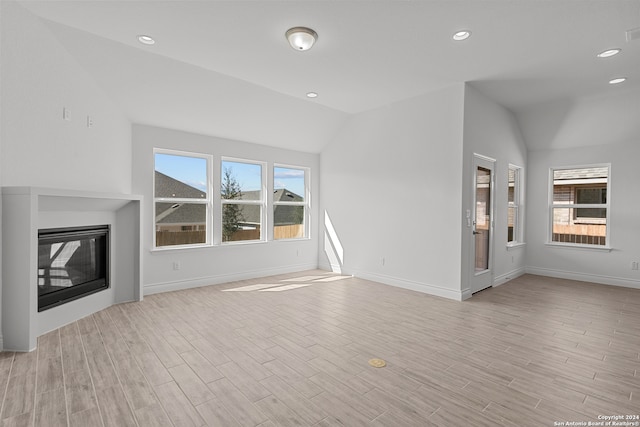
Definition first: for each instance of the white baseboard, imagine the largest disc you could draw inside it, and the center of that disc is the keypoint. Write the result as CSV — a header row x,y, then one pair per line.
x,y
584,277
154,288
330,267
504,278
400,283
425,288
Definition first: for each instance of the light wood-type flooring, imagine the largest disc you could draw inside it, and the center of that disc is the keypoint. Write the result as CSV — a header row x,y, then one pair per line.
x,y
293,350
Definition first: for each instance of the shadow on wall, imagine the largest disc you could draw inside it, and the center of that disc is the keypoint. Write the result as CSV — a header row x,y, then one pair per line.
x,y
332,246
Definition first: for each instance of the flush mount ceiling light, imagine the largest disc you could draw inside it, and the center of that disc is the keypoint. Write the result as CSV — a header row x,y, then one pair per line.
x,y
146,39
301,38
312,95
609,53
617,80
461,35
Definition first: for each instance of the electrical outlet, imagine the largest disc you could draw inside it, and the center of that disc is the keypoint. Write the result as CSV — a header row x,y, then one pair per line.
x,y
66,114
176,265
89,121
634,265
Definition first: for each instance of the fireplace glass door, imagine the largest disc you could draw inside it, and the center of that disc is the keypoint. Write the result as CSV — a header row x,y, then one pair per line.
x,y
72,262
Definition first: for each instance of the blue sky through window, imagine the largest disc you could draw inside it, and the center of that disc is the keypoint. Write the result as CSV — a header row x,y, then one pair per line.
x,y
193,171
289,178
189,170
248,175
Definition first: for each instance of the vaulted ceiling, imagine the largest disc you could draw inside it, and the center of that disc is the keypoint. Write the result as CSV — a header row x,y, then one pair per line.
x,y
224,67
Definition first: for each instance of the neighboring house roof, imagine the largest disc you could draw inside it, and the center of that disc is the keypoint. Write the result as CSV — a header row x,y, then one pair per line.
x,y
580,176
181,213
178,213
284,195
171,187
250,214
282,214
190,213
279,195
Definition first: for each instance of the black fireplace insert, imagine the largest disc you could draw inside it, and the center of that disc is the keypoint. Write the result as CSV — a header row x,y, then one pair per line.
x,y
72,262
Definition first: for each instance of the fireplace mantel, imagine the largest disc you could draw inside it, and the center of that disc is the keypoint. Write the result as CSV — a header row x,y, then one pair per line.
x,y
27,209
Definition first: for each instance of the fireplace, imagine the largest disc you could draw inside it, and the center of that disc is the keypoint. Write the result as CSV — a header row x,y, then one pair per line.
x,y
28,212
72,262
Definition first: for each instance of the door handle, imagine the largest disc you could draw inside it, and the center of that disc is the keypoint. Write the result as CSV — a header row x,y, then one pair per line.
x,y
477,232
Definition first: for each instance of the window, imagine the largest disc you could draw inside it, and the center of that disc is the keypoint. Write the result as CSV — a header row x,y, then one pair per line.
x,y
188,200
182,199
290,204
594,195
580,206
515,230
242,195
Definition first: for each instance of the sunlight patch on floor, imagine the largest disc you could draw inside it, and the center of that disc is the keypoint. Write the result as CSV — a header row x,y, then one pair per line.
x,y
283,288
251,288
332,278
303,279
277,287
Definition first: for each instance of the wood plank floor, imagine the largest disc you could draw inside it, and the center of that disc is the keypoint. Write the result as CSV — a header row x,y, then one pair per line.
x,y
292,350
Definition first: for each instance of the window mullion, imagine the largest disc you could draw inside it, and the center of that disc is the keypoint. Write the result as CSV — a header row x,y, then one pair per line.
x,y
581,206
180,200
243,202
290,203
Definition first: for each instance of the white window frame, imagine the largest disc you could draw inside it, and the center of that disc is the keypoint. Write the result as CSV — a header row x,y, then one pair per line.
x,y
517,205
206,201
306,203
262,203
573,205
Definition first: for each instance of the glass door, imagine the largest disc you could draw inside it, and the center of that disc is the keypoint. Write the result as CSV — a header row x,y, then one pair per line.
x,y
482,229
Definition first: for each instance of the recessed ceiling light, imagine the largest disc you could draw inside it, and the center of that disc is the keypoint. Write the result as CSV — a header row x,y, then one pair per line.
x,y
146,39
617,80
608,53
312,95
462,35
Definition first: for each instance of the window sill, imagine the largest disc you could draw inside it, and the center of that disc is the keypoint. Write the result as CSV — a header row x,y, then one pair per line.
x,y
241,243
512,246
164,249
178,248
199,247
597,248
291,239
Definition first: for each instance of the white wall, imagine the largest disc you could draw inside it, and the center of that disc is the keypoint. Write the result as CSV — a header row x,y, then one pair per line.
x,y
554,132
38,147
221,263
390,181
589,265
492,131
603,119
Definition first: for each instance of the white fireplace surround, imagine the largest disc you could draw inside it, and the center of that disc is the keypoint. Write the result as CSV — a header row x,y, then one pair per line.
x,y
25,210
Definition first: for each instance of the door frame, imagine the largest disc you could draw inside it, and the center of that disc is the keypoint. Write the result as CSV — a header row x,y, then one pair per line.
x,y
482,279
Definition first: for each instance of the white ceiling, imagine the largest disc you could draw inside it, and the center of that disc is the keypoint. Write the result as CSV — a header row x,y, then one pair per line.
x,y
224,67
